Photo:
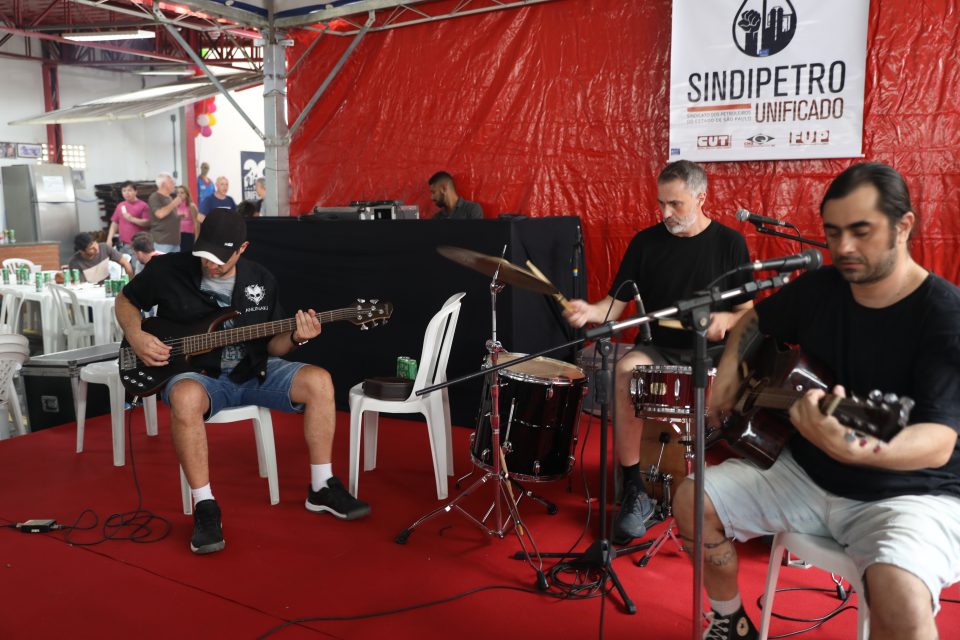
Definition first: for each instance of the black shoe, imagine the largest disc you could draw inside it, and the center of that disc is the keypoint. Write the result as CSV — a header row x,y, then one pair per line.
x,y
736,626
207,532
636,509
335,499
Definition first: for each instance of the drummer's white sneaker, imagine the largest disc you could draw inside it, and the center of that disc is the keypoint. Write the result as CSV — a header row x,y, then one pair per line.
x,y
636,509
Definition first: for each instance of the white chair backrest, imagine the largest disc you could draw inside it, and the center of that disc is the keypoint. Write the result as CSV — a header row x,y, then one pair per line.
x,y
14,351
10,312
13,263
437,341
68,307
115,270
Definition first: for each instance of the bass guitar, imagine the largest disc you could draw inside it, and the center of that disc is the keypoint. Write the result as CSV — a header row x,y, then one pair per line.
x,y
758,427
187,341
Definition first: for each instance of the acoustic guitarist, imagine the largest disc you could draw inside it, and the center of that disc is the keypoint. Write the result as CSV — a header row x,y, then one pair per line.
x,y
878,320
186,288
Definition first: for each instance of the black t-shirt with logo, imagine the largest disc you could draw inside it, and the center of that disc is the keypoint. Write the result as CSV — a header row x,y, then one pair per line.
x,y
669,268
911,348
172,282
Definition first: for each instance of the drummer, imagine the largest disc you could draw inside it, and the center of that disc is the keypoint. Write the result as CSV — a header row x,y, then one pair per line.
x,y
668,262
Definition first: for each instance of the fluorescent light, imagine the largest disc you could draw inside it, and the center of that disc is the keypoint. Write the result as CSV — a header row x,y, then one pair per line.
x,y
169,72
97,36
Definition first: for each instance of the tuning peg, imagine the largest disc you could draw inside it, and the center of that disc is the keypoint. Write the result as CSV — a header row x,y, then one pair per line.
x,y
361,300
374,300
891,398
364,327
876,395
373,324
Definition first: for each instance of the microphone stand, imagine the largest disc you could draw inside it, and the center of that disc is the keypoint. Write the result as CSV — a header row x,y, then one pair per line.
x,y
773,232
696,314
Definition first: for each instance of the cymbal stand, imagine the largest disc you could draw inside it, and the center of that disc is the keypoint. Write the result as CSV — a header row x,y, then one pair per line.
x,y
666,502
504,507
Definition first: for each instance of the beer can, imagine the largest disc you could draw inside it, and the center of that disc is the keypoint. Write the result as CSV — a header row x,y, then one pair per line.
x,y
6,275
11,235
47,277
411,369
75,276
401,367
39,281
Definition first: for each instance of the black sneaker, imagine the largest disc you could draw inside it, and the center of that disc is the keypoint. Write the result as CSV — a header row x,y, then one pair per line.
x,y
334,499
636,509
207,532
736,626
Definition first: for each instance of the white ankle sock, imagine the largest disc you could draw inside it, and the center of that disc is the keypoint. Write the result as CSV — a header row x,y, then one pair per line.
x,y
203,493
319,474
726,607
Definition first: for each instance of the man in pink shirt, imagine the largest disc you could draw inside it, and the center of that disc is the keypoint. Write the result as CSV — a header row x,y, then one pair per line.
x,y
131,217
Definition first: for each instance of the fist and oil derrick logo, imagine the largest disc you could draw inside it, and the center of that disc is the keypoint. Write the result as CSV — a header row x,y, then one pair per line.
x,y
762,28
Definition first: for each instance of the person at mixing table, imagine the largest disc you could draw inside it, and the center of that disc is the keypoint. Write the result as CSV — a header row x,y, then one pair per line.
x,y
444,194
668,262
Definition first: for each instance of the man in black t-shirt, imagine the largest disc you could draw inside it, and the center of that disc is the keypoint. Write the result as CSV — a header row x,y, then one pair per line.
x,y
668,262
877,320
186,289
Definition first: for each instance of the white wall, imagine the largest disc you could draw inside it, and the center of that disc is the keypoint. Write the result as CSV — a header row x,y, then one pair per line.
x,y
128,149
231,135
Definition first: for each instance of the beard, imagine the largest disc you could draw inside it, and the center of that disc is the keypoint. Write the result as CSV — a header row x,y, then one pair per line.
x,y
677,226
873,272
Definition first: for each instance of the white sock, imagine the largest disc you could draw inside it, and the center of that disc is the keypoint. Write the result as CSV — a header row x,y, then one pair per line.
x,y
203,493
319,474
726,607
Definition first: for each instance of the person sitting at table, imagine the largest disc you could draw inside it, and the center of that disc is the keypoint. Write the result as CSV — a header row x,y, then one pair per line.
x,y
452,207
144,249
93,259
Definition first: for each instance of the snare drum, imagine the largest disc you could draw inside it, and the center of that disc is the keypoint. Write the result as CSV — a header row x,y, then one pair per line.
x,y
539,418
665,390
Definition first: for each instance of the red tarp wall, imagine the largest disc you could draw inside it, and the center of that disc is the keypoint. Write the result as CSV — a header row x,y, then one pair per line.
x,y
562,109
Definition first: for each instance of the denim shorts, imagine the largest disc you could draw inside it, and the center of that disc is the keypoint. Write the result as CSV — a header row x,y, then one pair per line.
x,y
917,533
224,393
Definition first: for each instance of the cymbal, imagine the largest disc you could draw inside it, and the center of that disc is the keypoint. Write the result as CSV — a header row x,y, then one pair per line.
x,y
488,265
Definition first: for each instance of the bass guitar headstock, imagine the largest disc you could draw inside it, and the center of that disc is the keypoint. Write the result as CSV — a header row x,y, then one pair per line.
x,y
879,415
369,313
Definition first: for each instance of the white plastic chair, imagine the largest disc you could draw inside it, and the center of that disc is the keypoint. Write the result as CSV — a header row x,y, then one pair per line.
x,y
74,321
434,406
10,312
14,350
108,373
821,552
13,263
266,449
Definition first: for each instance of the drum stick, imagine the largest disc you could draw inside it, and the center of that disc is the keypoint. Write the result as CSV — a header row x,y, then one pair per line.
x,y
558,296
506,475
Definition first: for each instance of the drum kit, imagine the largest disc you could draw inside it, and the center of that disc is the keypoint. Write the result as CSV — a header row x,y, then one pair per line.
x,y
528,422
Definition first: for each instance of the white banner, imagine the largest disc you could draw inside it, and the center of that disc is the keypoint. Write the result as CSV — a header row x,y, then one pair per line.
x,y
787,86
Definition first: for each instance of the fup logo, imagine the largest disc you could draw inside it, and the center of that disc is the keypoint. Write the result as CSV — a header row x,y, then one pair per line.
x,y
762,28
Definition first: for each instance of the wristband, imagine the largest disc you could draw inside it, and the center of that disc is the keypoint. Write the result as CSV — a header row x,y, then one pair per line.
x,y
297,342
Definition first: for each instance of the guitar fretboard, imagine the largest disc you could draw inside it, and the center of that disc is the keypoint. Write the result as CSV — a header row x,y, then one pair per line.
x,y
206,341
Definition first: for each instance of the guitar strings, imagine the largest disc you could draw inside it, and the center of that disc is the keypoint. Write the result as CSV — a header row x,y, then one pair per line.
x,y
275,326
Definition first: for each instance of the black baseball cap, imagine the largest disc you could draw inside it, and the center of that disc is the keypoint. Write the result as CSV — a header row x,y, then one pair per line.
x,y
221,234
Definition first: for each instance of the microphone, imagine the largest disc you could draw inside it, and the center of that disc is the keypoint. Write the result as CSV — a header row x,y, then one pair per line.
x,y
809,259
745,216
645,336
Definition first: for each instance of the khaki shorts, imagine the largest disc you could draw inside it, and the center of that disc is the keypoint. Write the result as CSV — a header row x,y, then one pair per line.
x,y
919,534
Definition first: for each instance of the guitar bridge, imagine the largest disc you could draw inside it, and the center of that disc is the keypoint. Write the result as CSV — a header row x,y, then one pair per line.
x,y
127,359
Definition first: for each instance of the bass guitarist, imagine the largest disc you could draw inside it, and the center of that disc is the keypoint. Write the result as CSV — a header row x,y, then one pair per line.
x,y
877,320
187,288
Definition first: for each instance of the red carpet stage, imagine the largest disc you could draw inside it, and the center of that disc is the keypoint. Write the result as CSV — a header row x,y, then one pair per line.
x,y
282,563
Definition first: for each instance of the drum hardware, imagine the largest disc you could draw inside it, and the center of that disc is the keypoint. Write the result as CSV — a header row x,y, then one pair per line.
x,y
666,482
695,312
499,475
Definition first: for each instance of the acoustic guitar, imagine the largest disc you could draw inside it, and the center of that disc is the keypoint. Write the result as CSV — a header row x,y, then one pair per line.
x,y
758,427
204,336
